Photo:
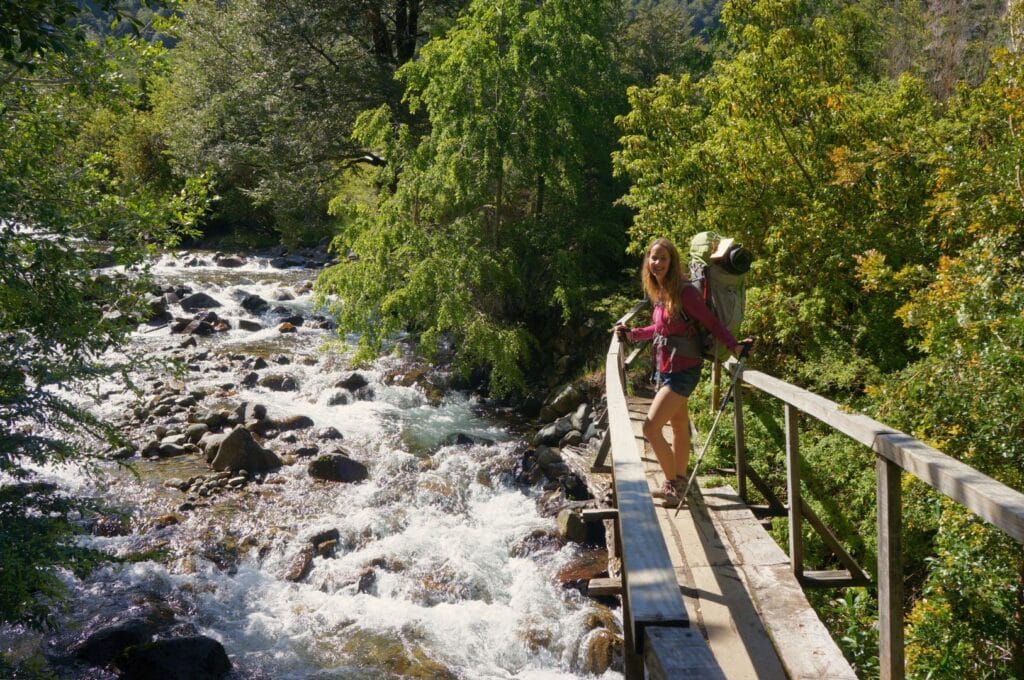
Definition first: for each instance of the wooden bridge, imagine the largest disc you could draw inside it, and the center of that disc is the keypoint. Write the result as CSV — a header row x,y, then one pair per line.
x,y
707,593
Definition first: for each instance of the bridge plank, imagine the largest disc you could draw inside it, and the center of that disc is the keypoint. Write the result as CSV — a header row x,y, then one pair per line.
x,y
679,654
988,498
648,575
803,643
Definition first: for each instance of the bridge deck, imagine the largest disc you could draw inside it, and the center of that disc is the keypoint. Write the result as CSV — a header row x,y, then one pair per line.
x,y
738,586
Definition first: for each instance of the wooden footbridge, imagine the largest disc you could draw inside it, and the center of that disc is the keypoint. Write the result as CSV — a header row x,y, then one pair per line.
x,y
707,593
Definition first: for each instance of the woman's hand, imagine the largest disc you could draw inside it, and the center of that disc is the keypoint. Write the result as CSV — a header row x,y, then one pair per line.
x,y
743,347
621,332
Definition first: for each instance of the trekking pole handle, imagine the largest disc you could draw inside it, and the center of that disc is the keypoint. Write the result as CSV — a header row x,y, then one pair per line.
x,y
747,344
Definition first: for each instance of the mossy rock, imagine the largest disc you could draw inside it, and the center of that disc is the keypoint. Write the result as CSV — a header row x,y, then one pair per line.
x,y
393,656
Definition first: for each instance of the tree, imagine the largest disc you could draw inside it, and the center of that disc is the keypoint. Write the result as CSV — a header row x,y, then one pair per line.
x,y
964,394
792,146
265,95
490,226
77,192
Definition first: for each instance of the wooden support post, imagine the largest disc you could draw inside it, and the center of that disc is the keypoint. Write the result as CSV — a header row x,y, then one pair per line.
x,y
741,451
796,542
890,570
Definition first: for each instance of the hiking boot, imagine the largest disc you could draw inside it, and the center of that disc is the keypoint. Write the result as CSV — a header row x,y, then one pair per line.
x,y
668,494
678,484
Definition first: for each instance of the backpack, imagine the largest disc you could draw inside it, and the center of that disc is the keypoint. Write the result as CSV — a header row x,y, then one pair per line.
x,y
717,267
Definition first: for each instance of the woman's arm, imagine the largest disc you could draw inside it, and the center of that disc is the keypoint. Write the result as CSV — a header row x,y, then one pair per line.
x,y
695,306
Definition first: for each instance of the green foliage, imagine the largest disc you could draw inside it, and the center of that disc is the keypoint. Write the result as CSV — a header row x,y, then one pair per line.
x,y
35,530
265,96
82,186
492,227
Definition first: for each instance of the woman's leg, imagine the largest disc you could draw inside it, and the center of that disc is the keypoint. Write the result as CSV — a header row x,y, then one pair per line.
x,y
681,438
667,406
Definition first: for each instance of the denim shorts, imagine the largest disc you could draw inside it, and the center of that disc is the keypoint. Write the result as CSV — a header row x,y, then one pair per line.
x,y
681,382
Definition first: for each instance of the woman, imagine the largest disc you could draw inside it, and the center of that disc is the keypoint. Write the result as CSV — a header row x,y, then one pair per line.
x,y
677,356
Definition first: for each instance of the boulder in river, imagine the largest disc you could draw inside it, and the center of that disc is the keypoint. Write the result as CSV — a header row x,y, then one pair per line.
x,y
189,658
254,304
103,646
565,400
239,451
352,381
197,302
230,261
335,467
295,422
279,382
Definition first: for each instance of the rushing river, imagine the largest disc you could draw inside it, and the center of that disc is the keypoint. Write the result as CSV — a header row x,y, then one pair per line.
x,y
442,566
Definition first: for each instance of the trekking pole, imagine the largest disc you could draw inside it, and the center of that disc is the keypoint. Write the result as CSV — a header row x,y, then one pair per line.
x,y
721,409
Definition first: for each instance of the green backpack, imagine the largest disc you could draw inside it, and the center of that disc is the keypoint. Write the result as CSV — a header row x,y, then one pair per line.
x,y
717,268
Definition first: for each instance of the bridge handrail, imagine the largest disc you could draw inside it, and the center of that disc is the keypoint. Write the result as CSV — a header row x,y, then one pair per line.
x,y
895,452
992,500
658,636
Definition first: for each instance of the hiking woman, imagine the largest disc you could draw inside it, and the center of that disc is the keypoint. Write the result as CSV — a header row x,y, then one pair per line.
x,y
677,356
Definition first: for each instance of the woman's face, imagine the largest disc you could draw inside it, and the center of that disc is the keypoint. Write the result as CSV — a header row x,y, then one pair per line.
x,y
658,262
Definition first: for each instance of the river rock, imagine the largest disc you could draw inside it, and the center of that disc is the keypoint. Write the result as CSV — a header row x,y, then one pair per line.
x,y
279,382
248,412
571,438
352,381
212,419
210,442
230,261
338,398
103,646
301,565
552,433
239,451
197,302
328,433
335,467
295,422
249,325
172,450
600,650
190,658
565,400
571,526
254,304
196,431
286,327
282,295
464,439
581,417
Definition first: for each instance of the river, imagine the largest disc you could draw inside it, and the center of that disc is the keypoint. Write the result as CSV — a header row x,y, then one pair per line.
x,y
439,565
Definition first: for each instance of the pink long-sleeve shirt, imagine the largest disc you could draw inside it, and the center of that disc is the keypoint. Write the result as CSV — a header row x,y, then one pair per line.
x,y
696,310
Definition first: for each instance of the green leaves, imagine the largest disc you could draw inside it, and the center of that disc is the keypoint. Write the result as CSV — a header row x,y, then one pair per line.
x,y
491,223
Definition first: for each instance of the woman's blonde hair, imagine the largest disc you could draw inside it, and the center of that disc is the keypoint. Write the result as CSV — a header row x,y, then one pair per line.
x,y
671,291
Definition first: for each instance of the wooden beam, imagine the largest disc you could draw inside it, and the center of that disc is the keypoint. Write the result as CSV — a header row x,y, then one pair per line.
x,y
602,587
831,578
599,514
989,499
649,579
796,538
679,654
890,570
853,570
778,508
740,448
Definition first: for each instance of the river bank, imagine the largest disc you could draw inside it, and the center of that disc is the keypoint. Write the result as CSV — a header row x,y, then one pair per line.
x,y
291,516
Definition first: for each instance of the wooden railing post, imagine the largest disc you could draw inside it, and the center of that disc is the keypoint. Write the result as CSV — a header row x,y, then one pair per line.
x,y
796,541
741,451
890,570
